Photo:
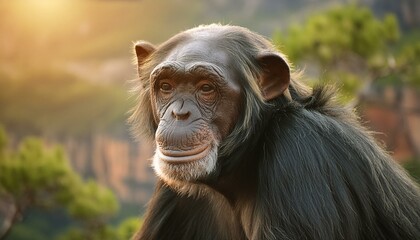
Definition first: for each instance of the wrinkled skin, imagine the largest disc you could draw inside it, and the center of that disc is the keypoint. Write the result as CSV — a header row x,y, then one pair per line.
x,y
189,89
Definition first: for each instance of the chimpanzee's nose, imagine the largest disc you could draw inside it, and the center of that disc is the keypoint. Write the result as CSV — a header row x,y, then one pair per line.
x,y
179,111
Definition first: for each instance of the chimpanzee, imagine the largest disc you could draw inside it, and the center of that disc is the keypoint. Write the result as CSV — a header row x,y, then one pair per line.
x,y
246,151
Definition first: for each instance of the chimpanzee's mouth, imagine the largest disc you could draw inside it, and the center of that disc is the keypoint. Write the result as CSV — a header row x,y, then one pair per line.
x,y
183,156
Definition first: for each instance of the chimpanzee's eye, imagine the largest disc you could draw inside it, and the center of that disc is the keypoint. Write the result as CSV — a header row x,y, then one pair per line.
x,y
166,87
206,88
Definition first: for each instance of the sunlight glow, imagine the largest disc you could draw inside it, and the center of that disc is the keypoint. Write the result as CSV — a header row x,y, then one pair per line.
x,y
47,6
47,12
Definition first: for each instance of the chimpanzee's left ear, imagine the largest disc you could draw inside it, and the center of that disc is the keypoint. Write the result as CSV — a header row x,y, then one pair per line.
x,y
275,77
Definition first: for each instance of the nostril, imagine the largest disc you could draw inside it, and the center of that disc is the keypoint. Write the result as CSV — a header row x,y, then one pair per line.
x,y
180,115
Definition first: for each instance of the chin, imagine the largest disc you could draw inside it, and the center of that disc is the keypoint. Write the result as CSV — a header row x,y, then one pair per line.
x,y
174,167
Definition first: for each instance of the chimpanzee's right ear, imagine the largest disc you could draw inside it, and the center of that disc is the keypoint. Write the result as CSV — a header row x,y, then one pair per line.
x,y
143,50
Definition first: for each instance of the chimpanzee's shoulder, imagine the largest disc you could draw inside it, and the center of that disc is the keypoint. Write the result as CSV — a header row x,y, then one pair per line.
x,y
322,103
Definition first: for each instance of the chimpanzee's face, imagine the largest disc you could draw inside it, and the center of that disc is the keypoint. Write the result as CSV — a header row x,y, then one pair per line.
x,y
196,102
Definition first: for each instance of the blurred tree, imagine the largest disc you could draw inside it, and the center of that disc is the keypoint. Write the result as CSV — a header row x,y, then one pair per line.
x,y
128,228
348,43
99,233
413,167
125,230
34,176
407,64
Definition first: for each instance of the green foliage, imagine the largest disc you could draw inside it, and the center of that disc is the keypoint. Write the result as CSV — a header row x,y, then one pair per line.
x,y
93,233
128,228
32,172
93,201
408,62
40,222
353,49
338,32
413,167
35,176
3,141
21,232
124,231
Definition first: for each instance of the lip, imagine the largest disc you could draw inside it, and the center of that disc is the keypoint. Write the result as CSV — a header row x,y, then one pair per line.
x,y
176,157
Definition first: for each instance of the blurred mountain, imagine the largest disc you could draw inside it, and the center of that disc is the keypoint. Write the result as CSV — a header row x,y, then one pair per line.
x,y
122,165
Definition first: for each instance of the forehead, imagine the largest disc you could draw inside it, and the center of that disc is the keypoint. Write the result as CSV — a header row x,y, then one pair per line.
x,y
199,51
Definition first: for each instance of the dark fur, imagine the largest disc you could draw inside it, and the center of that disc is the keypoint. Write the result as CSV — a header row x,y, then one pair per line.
x,y
303,168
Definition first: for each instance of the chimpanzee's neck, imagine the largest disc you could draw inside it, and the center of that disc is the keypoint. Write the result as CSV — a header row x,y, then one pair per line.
x,y
238,176
241,185
240,181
